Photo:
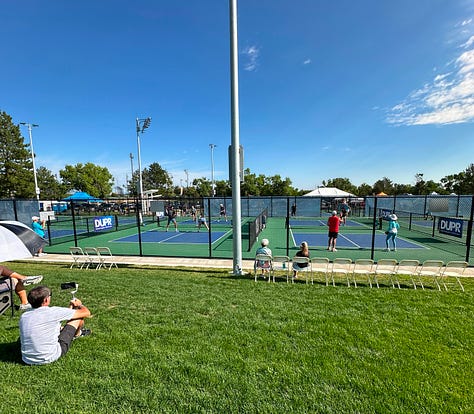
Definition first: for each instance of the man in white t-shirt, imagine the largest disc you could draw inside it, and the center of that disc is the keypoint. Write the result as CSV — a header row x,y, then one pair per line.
x,y
43,340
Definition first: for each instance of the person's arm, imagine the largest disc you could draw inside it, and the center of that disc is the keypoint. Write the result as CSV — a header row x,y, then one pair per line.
x,y
81,311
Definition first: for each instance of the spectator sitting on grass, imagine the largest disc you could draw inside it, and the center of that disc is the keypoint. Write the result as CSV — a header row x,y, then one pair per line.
x,y
43,340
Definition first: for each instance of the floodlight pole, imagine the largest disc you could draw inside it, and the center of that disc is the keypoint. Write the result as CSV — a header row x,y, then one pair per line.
x,y
187,178
131,163
142,124
235,141
212,146
37,190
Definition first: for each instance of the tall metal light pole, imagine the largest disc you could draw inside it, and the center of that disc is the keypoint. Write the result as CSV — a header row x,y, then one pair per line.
x,y
131,163
142,125
212,146
187,178
235,141
30,126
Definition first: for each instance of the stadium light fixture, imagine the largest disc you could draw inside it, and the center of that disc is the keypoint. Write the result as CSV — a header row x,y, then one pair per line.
x,y
30,126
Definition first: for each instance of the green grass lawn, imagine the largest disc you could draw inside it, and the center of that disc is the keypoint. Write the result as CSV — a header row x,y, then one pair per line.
x,y
170,340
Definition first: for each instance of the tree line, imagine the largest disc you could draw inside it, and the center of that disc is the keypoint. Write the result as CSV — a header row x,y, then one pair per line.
x,y
16,178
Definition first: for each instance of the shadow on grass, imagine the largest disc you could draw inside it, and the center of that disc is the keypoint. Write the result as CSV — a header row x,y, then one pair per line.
x,y
11,352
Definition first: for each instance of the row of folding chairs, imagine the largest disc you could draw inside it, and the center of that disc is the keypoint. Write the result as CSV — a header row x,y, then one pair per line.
x,y
92,258
372,272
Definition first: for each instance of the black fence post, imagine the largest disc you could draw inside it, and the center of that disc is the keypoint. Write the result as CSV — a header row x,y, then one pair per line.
x,y
469,230
287,222
138,206
73,215
210,224
373,229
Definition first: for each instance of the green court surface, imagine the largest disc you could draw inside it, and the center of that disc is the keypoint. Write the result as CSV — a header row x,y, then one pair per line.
x,y
354,241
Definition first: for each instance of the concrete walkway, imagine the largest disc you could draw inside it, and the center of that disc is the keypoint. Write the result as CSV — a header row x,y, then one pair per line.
x,y
177,262
224,264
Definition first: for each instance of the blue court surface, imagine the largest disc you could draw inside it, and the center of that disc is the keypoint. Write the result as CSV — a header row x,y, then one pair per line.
x,y
56,233
354,241
154,236
213,221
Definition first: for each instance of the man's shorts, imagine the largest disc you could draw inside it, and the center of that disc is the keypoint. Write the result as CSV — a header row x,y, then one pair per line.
x,y
333,234
65,338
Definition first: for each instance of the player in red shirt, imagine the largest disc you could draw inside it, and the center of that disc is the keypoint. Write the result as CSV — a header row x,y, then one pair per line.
x,y
333,223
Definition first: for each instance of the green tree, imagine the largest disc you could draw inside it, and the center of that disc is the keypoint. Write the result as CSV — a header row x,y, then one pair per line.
x,y
364,190
16,166
203,187
50,187
153,178
157,178
91,178
343,184
223,188
384,185
460,183
402,189
280,187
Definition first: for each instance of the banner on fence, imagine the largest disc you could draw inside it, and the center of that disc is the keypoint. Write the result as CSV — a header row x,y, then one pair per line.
x,y
450,226
103,223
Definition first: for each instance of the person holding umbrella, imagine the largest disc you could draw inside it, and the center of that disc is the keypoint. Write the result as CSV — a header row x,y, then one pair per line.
x,y
18,282
38,228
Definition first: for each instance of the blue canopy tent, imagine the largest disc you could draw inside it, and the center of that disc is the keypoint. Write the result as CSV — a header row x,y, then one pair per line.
x,y
82,196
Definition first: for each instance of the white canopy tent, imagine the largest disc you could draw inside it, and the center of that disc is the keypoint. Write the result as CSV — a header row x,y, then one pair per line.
x,y
328,192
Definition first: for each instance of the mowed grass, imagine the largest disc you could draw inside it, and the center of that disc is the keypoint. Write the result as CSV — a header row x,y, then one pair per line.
x,y
184,341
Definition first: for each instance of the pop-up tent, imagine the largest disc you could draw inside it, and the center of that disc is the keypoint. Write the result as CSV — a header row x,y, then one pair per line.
x,y
82,196
329,192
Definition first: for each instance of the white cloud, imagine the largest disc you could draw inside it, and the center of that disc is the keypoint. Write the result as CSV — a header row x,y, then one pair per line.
x,y
448,99
307,62
466,22
251,54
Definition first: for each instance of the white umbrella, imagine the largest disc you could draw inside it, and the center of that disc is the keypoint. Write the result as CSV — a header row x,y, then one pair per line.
x,y
18,241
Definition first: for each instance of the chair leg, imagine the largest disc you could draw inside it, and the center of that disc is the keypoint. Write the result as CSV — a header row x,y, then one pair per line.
x,y
376,281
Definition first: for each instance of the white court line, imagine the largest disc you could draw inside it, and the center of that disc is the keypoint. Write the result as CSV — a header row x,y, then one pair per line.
x,y
350,241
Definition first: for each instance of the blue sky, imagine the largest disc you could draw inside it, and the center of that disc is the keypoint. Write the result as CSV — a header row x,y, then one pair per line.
x,y
357,89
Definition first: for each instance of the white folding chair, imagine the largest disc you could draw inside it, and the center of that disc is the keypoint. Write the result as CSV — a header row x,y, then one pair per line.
x,y
385,267
303,265
263,265
407,267
78,257
93,258
108,260
281,265
430,269
320,265
341,266
454,269
363,267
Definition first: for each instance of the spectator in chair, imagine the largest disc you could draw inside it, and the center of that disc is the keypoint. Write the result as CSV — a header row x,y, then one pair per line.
x,y
18,283
303,252
263,249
